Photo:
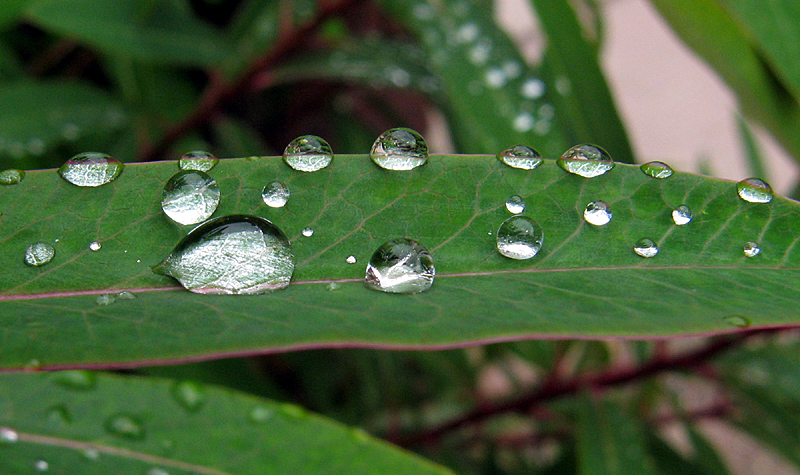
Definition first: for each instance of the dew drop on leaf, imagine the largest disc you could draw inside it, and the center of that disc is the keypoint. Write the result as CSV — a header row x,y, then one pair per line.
x,y
189,394
126,295
307,232
293,411
682,215
520,156
351,259
737,321
197,160
125,426
95,246
754,190
157,471
275,194
76,379
235,254
261,414
105,299
645,248
597,213
41,466
751,249
399,149
308,153
657,170
91,454
59,415
12,176
586,160
515,204
190,197
519,237
400,266
91,169
8,436
39,254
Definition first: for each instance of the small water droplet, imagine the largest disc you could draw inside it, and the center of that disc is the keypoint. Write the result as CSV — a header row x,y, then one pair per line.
x,y
333,286
307,232
33,364
400,266
39,254
41,466
751,249
12,176
308,153
657,170
351,259
275,195
597,213
645,248
359,435
682,215
261,414
59,415
754,190
586,160
515,204
519,237
190,197
105,299
91,169
95,246
737,321
189,394
126,426
533,88
294,411
520,156
198,160
157,471
399,149
90,453
77,379
126,295
8,436
236,254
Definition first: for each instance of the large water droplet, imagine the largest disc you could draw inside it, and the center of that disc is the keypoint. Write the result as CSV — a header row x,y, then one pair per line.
x,y
751,249
400,266
515,204
754,190
682,215
8,436
95,246
91,169
597,213
399,149
232,255
198,161
657,170
645,248
39,254
586,160
126,426
737,321
520,156
308,153
275,195
78,379
189,394
519,237
12,176
190,197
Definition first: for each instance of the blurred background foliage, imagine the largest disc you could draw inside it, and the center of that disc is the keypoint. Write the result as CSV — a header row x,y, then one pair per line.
x,y
149,80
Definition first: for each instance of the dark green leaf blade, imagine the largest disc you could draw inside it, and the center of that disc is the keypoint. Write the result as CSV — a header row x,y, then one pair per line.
x,y
228,433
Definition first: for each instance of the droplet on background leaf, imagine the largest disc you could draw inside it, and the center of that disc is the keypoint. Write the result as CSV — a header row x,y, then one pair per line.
x,y
308,153
586,160
125,426
190,197
12,176
399,149
95,246
91,169
189,394
400,266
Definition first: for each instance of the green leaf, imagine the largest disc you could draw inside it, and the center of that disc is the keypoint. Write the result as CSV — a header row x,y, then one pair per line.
x,y
587,109
253,29
667,460
157,31
11,11
705,454
585,281
10,67
755,160
223,432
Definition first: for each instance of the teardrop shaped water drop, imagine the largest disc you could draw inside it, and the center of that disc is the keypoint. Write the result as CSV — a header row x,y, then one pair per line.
x,y
125,426
519,237
275,195
751,249
597,213
586,160
190,197
308,153
8,436
95,246
737,321
399,149
657,170
754,190
91,169
198,160
39,254
76,379
645,248
400,266
189,394
515,204
520,156
12,176
682,215
236,254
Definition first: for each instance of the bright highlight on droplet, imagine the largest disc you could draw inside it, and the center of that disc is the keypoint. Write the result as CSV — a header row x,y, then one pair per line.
x,y
308,153
597,213
682,215
125,426
8,435
198,160
515,204
351,259
737,321
91,169
189,394
307,232
39,254
190,197
754,190
519,237
399,149
95,246
657,170
275,194
12,176
645,248
41,466
586,160
520,156
751,249
400,266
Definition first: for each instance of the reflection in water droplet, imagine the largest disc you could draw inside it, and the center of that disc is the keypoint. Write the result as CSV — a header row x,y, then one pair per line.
x,y
190,197
400,266
91,169
351,259
308,153
657,170
682,215
261,414
645,248
95,246
8,435
754,190
515,204
275,195
78,379
307,232
520,156
12,176
751,249
105,299
597,213
126,426
586,160
519,237
198,161
41,466
399,149
39,254
232,255
189,394
738,321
